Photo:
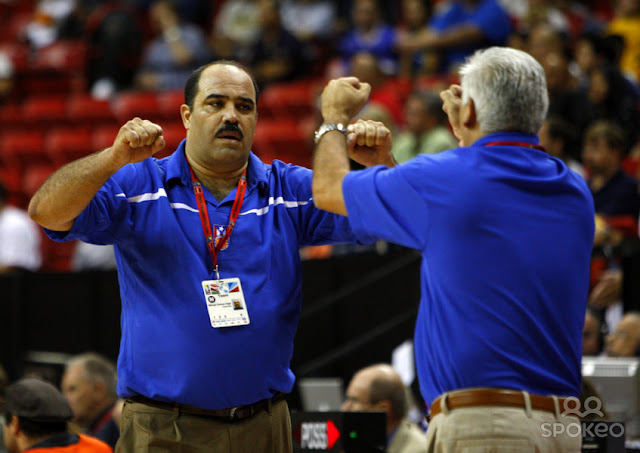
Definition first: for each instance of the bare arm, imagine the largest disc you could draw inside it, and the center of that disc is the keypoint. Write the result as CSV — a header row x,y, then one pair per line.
x,y
68,191
462,35
369,143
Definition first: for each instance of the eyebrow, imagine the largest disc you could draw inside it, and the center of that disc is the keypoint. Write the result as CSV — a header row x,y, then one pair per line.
x,y
222,96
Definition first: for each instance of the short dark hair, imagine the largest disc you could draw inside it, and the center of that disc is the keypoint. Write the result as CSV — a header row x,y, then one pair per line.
x,y
35,429
191,87
612,134
383,388
561,129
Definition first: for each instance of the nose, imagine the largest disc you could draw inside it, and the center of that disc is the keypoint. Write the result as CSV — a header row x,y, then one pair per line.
x,y
230,114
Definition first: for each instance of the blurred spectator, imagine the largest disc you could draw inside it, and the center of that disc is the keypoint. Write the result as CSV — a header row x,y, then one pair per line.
x,y
90,257
309,19
114,35
48,16
593,49
426,131
277,56
624,341
543,40
236,28
566,100
380,388
626,23
36,416
177,49
369,33
6,77
458,29
19,238
592,334
415,14
614,192
611,96
367,68
89,384
558,138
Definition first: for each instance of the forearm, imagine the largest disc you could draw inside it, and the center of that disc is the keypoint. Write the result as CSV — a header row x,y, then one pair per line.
x,y
330,166
459,36
68,191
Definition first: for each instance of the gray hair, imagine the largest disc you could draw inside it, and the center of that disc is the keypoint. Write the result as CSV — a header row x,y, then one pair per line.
x,y
508,88
98,369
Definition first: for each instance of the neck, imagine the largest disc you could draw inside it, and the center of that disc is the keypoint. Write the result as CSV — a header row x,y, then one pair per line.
x,y
219,181
470,136
25,443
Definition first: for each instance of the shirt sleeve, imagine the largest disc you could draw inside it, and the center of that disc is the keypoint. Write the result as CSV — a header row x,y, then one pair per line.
x,y
104,220
382,204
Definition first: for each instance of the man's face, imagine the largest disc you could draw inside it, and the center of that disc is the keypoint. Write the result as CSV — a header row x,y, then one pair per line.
x,y
416,114
598,156
80,392
221,125
357,395
624,341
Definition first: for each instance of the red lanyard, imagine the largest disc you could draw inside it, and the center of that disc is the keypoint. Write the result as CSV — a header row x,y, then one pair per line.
x,y
525,144
204,216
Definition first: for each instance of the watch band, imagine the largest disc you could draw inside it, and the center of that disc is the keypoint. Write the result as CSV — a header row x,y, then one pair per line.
x,y
328,127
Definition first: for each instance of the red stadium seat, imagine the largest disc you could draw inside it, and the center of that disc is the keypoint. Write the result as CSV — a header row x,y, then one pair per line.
x,y
67,144
103,137
289,100
57,68
18,53
169,103
173,134
23,147
131,104
42,111
10,117
82,109
283,140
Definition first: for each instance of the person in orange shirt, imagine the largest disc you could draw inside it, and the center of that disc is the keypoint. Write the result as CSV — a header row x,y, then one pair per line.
x,y
36,416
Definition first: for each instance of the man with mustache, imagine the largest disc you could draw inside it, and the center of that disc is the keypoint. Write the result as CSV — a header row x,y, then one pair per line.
x,y
196,234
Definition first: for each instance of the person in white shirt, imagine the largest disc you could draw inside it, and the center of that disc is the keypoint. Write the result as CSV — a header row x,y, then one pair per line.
x,y
19,238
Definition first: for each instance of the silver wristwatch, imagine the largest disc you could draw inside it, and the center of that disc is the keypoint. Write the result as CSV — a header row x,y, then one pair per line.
x,y
328,127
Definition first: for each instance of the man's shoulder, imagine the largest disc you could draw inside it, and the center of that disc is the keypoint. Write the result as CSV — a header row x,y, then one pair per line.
x,y
91,444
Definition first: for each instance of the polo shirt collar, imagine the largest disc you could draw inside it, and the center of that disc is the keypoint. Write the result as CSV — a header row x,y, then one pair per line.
x,y
178,168
508,137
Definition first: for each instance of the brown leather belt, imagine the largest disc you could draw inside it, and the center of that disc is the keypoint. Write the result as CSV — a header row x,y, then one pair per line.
x,y
231,414
494,397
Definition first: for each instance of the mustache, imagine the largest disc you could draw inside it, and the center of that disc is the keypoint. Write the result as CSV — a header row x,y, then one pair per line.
x,y
230,127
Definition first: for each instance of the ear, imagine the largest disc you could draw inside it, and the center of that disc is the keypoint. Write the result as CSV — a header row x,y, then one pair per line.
x,y
185,113
100,388
14,425
468,114
384,406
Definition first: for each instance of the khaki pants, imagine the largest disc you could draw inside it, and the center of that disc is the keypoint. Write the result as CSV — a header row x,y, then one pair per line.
x,y
499,429
147,429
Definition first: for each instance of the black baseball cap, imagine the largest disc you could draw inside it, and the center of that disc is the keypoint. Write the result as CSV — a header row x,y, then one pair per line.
x,y
37,400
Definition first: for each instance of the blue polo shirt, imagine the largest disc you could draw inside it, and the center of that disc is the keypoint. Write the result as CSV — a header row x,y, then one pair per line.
x,y
168,350
506,234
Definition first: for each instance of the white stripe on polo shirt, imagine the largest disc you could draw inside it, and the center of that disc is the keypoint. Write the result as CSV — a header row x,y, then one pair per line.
x,y
259,211
275,202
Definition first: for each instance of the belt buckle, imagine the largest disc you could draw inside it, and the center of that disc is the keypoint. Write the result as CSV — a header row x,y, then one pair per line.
x,y
232,412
